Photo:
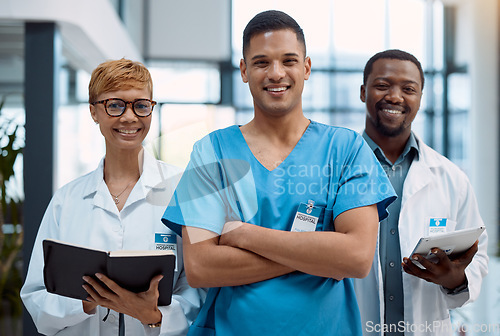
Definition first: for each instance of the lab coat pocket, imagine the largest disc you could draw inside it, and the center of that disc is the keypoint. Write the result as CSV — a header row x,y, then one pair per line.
x,y
439,225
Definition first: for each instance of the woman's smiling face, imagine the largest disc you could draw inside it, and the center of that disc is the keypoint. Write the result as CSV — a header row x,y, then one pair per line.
x,y
127,131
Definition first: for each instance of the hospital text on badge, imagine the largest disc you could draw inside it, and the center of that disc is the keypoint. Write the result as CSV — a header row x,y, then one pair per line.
x,y
167,242
437,225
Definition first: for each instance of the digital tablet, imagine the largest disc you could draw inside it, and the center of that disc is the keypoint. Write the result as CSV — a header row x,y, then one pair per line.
x,y
451,243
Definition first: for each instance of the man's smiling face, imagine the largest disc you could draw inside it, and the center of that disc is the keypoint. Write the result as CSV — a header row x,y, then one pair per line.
x,y
275,69
392,95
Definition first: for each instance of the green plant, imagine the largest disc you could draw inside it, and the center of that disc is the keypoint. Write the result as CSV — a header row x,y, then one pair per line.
x,y
11,242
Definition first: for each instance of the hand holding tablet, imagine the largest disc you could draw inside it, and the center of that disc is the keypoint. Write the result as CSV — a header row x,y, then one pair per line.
x,y
452,243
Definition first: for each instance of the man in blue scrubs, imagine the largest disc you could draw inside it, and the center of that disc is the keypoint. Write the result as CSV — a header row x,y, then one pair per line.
x,y
279,213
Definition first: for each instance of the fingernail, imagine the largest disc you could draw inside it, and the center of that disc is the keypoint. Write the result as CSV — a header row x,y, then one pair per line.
x,y
434,251
415,257
85,278
98,275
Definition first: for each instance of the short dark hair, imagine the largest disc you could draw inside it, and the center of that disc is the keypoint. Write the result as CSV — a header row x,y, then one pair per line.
x,y
392,54
271,20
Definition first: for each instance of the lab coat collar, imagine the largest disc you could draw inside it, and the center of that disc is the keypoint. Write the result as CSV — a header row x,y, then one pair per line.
x,y
96,178
152,174
421,170
151,178
428,156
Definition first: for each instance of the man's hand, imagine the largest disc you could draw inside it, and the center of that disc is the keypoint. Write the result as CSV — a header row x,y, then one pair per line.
x,y
142,306
233,233
347,252
446,272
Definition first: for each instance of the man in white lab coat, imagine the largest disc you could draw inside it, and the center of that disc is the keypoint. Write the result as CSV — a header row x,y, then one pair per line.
x,y
397,297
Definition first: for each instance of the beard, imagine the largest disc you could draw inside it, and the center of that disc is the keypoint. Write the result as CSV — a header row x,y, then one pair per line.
x,y
386,130
389,131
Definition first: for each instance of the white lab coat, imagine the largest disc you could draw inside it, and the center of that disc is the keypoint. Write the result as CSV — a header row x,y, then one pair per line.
x,y
83,212
434,188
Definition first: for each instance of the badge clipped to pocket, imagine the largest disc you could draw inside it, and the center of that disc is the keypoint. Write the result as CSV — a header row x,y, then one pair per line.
x,y
437,226
306,218
167,241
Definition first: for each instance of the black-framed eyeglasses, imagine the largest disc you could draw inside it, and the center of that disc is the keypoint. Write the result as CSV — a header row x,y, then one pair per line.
x,y
115,107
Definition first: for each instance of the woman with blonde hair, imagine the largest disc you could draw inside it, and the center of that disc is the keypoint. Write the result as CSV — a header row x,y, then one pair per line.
x,y
116,207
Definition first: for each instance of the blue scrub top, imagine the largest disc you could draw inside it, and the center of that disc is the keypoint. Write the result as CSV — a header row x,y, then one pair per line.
x,y
331,166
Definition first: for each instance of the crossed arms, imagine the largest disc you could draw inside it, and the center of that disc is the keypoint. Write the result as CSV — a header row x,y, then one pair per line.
x,y
247,253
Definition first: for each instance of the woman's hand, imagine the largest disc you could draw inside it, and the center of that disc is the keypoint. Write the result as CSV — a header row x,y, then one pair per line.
x,y
88,307
142,306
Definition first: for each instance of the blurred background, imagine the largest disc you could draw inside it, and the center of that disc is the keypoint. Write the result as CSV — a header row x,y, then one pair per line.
x,y
193,47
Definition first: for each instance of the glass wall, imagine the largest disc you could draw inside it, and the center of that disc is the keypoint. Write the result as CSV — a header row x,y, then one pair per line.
x,y
79,145
188,94
340,39
341,36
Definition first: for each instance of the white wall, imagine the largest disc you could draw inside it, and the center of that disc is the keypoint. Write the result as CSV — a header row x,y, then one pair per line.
x,y
189,29
478,47
90,29
483,45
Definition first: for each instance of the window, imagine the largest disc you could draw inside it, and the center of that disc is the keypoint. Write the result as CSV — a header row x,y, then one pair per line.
x,y
341,38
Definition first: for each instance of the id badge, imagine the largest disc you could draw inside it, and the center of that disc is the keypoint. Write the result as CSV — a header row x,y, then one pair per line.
x,y
167,241
306,218
437,226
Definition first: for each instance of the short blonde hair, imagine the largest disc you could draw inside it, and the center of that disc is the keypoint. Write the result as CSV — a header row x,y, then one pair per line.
x,y
115,75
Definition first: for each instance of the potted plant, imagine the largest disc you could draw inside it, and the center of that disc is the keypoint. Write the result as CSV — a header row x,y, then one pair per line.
x,y
11,229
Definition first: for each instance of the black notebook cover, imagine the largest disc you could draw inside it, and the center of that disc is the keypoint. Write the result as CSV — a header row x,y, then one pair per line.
x,y
66,264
